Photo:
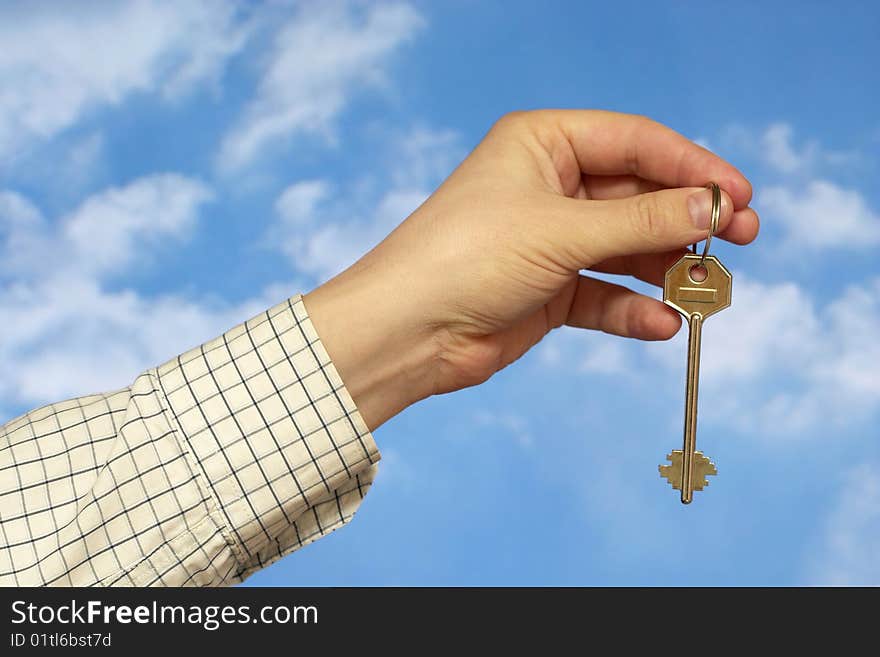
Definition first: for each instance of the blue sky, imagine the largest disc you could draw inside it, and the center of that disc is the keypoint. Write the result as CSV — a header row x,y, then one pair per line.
x,y
169,169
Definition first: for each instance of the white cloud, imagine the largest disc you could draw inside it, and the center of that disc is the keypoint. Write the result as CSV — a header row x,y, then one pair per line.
x,y
586,351
851,362
772,365
779,152
422,156
775,147
109,230
106,233
777,365
768,327
23,232
297,204
68,336
823,215
59,62
813,211
323,228
64,332
319,59
609,358
848,552
322,237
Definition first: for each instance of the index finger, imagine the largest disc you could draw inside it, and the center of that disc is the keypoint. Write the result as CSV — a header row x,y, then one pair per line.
x,y
610,143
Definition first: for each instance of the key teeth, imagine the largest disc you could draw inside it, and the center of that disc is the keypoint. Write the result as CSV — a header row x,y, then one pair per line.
x,y
703,468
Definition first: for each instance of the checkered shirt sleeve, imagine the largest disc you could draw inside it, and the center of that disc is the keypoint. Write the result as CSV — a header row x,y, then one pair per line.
x,y
204,470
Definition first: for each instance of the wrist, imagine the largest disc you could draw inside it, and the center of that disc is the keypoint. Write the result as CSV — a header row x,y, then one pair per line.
x,y
369,325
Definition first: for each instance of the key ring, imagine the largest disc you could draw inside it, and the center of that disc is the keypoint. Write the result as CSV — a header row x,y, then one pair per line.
x,y
713,224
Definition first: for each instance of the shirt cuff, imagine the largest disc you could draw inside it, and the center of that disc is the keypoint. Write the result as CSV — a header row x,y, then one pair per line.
x,y
284,452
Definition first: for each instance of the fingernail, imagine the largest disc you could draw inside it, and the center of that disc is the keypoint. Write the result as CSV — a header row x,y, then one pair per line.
x,y
700,208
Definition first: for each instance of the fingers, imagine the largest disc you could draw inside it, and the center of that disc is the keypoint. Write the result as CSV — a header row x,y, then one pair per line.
x,y
648,223
618,310
608,143
603,188
648,267
743,227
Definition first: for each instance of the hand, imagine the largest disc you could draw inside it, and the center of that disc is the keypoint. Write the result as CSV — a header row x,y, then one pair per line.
x,y
490,263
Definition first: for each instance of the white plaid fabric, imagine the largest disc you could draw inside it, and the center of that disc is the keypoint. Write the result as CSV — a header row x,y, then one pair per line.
x,y
204,470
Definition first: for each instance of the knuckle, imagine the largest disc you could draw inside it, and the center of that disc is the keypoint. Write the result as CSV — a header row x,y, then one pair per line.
x,y
643,122
649,217
637,324
511,120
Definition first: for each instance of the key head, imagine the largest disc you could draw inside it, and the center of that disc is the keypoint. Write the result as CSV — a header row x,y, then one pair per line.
x,y
685,290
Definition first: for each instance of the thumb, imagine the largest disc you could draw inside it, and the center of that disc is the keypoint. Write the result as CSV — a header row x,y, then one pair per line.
x,y
646,223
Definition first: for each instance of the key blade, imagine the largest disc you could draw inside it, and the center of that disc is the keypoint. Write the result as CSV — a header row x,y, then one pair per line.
x,y
672,472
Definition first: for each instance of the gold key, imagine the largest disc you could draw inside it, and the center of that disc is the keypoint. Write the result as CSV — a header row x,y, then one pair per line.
x,y
697,287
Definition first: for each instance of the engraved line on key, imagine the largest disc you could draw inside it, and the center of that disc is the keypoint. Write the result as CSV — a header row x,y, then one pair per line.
x,y
698,294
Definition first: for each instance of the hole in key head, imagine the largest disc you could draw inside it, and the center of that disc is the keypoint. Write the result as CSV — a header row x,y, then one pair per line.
x,y
698,273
